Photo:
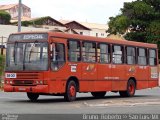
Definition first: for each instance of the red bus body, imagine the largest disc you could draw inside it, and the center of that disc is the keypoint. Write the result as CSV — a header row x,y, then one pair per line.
x,y
89,77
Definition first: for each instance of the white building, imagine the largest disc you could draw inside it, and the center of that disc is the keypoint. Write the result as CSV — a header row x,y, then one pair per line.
x,y
85,28
97,30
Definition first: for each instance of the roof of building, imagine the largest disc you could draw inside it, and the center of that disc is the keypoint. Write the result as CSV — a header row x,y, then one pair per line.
x,y
116,37
95,25
23,18
88,25
9,6
69,24
5,7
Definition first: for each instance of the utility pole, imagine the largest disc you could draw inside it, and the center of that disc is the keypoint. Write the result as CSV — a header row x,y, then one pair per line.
x,y
19,15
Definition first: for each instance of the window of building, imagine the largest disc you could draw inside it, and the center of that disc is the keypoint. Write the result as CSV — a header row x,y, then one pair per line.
x,y
102,34
89,52
96,34
117,55
74,51
131,55
152,57
103,53
81,33
142,56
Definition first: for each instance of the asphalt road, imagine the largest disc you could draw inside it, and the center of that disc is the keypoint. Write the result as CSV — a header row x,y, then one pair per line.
x,y
145,101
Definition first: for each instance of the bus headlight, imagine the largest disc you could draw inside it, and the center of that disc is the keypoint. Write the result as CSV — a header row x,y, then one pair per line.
x,y
7,82
39,82
11,82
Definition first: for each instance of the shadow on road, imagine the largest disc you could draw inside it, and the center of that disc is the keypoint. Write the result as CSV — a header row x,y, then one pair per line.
x,y
82,99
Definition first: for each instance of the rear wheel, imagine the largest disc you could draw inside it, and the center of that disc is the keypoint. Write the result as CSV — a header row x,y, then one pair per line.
x,y
71,91
131,88
32,96
98,94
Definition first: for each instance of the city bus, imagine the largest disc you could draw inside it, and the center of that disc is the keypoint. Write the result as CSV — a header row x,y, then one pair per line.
x,y
57,63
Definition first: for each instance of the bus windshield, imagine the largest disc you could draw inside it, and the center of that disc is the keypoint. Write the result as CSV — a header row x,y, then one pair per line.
x,y
27,56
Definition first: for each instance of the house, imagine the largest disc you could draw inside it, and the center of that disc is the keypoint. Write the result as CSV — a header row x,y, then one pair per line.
x,y
12,9
79,28
85,28
97,30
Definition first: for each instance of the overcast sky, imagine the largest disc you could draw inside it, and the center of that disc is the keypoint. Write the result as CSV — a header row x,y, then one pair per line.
x,y
95,11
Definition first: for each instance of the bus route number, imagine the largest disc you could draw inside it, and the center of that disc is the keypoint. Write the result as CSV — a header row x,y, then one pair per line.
x,y
11,75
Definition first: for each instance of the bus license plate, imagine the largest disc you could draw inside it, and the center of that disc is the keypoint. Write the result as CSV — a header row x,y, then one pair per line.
x,y
21,89
11,75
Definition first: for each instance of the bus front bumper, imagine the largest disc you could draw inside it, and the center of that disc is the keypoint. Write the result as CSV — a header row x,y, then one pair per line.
x,y
33,89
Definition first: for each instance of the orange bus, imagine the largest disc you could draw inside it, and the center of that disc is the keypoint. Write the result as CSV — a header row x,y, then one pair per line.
x,y
54,63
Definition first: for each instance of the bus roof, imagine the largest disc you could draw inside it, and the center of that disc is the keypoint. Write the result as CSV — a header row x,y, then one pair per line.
x,y
97,39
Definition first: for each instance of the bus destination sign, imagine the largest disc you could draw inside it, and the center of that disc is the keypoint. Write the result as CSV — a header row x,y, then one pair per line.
x,y
36,36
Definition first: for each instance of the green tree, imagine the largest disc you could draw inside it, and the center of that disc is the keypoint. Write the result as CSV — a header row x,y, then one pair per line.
x,y
139,21
2,64
4,17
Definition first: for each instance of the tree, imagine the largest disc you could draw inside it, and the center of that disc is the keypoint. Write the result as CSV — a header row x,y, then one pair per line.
x,y
2,64
139,21
4,17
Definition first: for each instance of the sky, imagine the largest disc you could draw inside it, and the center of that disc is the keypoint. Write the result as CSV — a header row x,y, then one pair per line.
x,y
94,11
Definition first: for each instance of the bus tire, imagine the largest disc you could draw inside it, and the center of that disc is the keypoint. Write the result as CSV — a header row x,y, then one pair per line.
x,y
98,94
71,91
32,96
131,88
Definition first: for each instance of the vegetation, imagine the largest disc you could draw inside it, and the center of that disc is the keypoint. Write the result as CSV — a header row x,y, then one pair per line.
x,y
2,64
5,17
139,21
38,21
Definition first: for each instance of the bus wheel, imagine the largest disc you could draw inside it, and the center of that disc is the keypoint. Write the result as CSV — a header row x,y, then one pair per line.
x,y
131,88
32,96
98,94
71,91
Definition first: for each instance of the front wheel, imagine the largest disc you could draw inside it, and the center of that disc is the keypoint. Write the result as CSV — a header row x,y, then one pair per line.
x,y
131,88
71,91
98,94
32,96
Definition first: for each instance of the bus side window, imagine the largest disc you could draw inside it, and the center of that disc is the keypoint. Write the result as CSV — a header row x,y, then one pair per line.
x,y
58,58
117,54
131,55
152,57
89,52
74,51
142,56
103,53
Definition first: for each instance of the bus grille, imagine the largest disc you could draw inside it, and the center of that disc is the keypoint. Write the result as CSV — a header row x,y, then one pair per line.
x,y
26,79
28,76
23,82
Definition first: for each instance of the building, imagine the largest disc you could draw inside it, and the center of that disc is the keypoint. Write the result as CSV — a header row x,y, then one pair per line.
x,y
97,30
79,28
12,9
85,28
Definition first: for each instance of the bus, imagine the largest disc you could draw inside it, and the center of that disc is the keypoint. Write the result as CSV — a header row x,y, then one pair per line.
x,y
56,63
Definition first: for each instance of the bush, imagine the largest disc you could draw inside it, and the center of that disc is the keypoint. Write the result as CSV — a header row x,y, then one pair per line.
x,y
4,17
2,65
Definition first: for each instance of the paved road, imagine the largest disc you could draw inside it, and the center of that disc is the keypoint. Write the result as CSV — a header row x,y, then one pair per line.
x,y
145,101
